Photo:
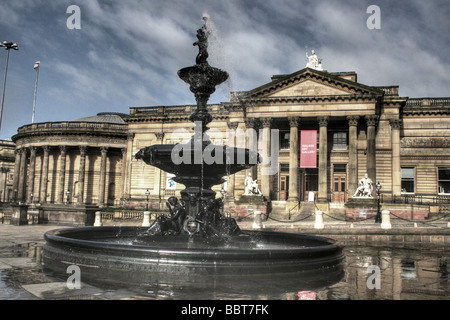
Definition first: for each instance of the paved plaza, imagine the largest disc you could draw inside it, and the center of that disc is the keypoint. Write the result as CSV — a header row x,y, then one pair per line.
x,y
22,276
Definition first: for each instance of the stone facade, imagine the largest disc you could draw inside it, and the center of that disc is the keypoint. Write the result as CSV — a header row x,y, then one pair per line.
x,y
400,142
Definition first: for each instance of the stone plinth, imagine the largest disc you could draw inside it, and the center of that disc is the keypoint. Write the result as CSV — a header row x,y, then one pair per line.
x,y
361,208
19,214
74,215
245,207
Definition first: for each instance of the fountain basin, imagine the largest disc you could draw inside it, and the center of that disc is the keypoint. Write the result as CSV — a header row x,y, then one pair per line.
x,y
195,171
119,255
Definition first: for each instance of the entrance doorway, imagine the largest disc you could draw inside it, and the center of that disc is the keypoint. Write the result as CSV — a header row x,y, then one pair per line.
x,y
339,182
284,187
311,183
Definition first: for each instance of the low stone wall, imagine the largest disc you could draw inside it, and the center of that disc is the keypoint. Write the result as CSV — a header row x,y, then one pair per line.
x,y
246,206
74,215
358,209
398,236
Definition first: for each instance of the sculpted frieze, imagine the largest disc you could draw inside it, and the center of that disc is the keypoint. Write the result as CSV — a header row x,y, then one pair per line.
x,y
439,142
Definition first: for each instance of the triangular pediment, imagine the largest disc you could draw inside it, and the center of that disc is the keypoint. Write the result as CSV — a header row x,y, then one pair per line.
x,y
309,82
308,87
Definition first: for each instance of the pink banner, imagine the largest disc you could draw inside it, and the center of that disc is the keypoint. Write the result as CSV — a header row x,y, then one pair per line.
x,y
308,149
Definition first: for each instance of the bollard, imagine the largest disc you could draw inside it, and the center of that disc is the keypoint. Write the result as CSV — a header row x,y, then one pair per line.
x,y
319,220
385,219
98,219
146,221
257,223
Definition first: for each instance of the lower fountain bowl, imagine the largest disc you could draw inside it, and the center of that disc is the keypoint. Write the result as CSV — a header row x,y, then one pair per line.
x,y
118,255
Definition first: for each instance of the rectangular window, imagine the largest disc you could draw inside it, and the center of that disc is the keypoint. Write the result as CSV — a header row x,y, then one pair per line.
x,y
444,180
340,141
407,180
340,168
285,139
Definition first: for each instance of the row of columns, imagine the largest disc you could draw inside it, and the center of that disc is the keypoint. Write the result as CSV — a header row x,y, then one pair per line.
x,y
294,122
21,182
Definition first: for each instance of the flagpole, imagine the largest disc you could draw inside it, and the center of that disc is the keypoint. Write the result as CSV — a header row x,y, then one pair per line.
x,y
35,92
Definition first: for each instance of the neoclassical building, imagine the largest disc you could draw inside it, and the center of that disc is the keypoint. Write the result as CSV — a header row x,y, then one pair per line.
x,y
401,142
76,161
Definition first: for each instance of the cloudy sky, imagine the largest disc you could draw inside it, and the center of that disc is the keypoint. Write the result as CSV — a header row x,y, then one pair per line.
x,y
127,53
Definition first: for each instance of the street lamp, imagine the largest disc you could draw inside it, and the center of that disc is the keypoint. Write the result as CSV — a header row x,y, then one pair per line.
x,y
147,193
68,196
378,217
8,46
223,192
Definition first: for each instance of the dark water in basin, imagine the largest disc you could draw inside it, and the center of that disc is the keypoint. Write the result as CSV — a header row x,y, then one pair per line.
x,y
413,272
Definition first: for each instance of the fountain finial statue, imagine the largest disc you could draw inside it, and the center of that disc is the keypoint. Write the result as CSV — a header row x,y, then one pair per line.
x,y
202,43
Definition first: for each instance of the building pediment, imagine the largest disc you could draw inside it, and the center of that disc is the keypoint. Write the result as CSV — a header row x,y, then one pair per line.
x,y
308,87
308,83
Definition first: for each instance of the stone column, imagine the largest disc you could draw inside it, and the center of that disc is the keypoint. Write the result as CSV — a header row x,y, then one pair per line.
x,y
32,174
232,126
81,173
128,164
62,173
157,177
44,178
371,147
323,160
18,154
265,176
101,184
124,171
396,169
23,175
252,143
5,184
293,160
352,155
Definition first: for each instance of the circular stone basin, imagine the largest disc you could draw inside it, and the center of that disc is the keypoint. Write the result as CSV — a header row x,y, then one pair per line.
x,y
120,255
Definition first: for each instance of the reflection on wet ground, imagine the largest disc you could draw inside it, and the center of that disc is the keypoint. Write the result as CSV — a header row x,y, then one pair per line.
x,y
401,273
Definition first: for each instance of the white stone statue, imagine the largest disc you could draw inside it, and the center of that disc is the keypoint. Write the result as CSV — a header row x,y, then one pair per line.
x,y
314,62
365,189
251,186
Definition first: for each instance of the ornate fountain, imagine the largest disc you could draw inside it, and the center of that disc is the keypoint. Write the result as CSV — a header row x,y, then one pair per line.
x,y
195,246
201,209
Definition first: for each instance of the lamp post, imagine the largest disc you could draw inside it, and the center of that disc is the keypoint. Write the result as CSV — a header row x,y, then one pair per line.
x,y
223,192
8,46
147,193
378,217
68,196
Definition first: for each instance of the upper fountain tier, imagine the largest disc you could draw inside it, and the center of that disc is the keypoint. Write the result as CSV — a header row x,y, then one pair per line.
x,y
202,78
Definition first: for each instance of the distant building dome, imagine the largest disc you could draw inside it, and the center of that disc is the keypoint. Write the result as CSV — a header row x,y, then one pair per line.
x,y
104,117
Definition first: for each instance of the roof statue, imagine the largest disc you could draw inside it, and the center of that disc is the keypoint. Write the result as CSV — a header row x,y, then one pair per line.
x,y
314,62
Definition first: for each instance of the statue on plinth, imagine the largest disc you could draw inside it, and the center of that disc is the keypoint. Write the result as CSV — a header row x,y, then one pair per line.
x,y
251,186
365,189
314,62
